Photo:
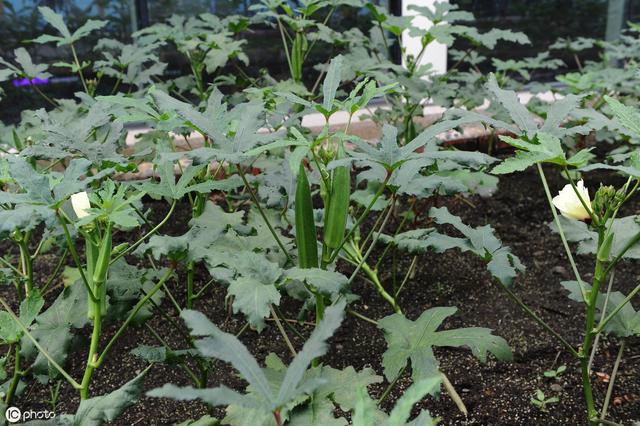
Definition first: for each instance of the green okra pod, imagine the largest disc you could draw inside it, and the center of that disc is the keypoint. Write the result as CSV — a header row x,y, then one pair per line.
x,y
335,220
305,225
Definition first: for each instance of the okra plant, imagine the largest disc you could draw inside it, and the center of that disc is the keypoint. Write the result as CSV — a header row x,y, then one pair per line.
x,y
594,223
283,219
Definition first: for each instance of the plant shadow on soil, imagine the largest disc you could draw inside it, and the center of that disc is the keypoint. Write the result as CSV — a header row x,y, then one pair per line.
x,y
495,393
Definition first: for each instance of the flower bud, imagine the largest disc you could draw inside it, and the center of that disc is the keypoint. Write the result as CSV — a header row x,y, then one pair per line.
x,y
604,200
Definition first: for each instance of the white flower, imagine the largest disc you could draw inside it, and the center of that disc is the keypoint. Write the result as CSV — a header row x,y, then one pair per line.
x,y
80,203
569,204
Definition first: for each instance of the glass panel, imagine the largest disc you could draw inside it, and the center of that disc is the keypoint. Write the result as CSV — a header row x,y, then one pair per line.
x,y
544,21
20,21
264,46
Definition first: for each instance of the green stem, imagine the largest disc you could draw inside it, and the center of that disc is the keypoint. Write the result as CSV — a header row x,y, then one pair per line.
x,y
590,331
283,332
286,46
612,379
56,271
539,320
632,242
263,214
398,230
561,232
387,391
10,266
190,267
617,309
406,276
74,254
16,376
183,364
381,290
27,265
603,312
362,317
93,350
147,235
75,58
132,315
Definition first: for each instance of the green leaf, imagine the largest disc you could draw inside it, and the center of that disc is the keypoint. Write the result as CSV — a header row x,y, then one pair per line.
x,y
253,298
52,328
414,341
545,148
221,395
314,347
206,420
106,408
365,409
169,188
627,116
481,241
28,68
625,323
402,409
55,20
519,113
624,230
331,83
328,282
226,347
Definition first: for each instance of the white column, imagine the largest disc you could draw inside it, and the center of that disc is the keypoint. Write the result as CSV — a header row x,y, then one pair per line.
x,y
436,53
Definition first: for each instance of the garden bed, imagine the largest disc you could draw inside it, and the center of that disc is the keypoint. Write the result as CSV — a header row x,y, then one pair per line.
x,y
495,393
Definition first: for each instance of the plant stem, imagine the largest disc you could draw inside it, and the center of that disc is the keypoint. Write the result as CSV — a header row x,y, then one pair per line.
x,y
617,309
448,386
632,242
75,58
16,376
362,317
263,214
147,235
612,379
398,230
74,254
93,349
590,331
561,232
602,316
132,315
540,321
283,332
387,391
27,264
183,364
190,267
55,273
406,276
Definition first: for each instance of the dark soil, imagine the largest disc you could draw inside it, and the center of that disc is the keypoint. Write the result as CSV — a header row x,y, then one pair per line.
x,y
495,393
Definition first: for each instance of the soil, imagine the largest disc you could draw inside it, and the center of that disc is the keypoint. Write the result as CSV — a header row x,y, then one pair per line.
x,y
495,393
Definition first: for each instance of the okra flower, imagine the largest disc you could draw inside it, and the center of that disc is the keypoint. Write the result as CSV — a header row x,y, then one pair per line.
x,y
569,204
80,203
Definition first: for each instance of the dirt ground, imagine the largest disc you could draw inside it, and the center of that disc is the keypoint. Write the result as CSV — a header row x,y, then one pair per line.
x,y
495,393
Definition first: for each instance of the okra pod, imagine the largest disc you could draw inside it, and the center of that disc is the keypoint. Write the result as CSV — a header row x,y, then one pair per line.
x,y
305,225
335,220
